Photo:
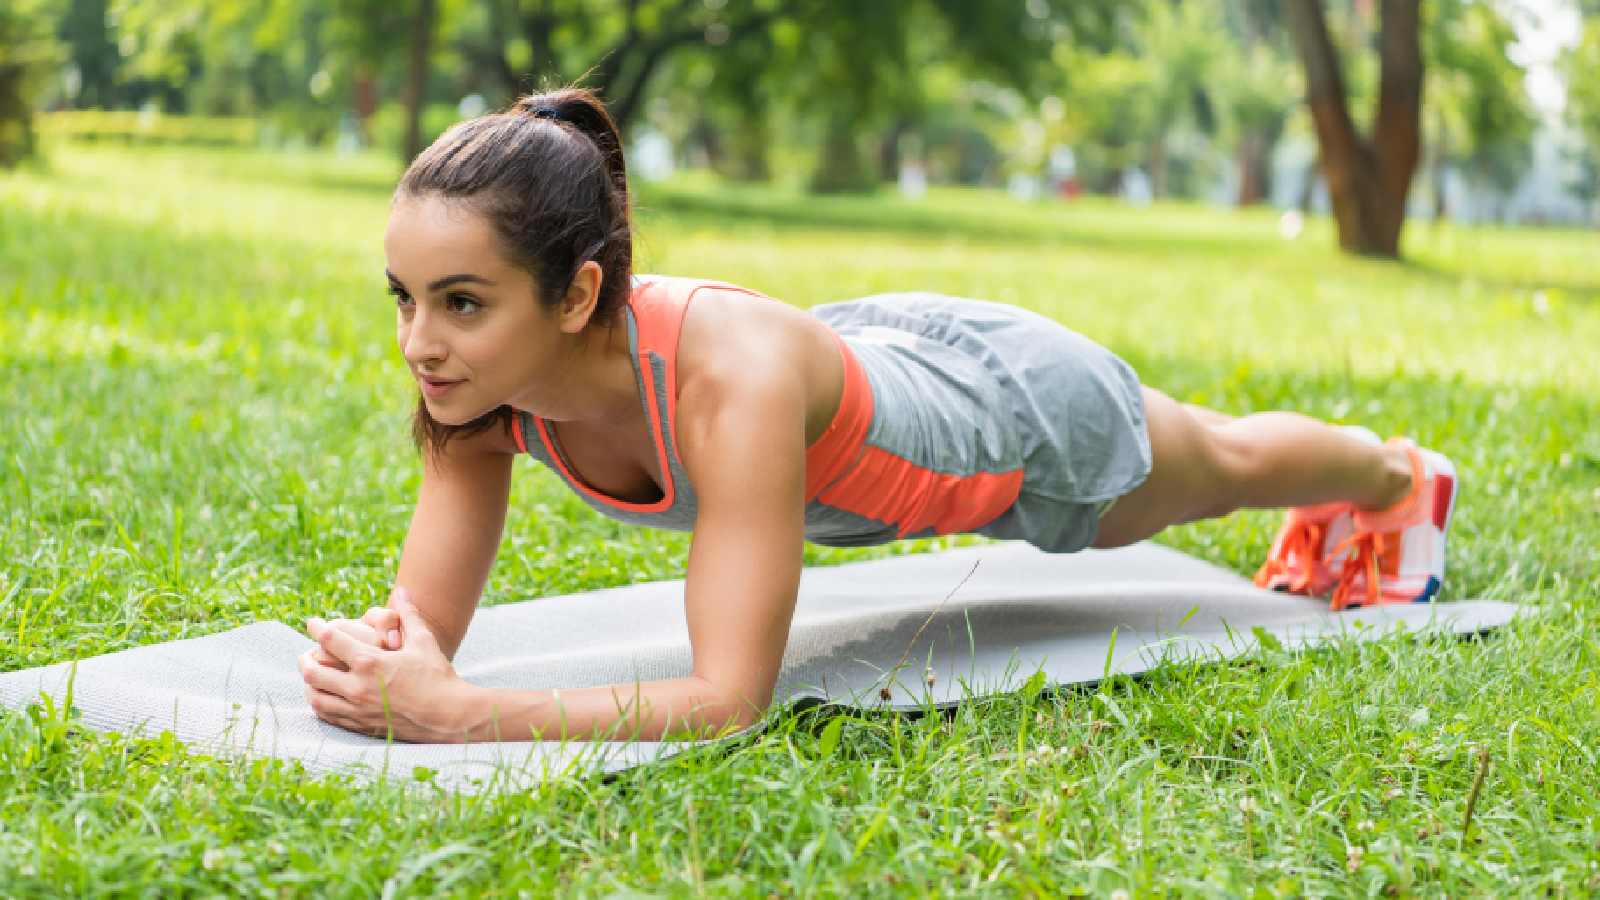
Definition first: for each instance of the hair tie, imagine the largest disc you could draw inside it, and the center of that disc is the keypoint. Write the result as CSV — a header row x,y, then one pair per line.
x,y
546,112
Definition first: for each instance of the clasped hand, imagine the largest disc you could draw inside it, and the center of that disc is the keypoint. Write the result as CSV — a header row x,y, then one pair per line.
x,y
383,675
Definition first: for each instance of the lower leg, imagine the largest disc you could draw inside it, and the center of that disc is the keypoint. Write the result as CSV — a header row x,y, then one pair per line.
x,y
1206,463
1287,459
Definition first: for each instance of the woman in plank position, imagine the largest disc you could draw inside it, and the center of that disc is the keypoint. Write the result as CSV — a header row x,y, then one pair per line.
x,y
700,406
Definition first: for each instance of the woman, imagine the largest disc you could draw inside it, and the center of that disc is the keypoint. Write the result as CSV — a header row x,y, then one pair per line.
x,y
701,406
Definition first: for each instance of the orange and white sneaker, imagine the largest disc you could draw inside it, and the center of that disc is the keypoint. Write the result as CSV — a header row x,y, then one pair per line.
x,y
1299,560
1396,555
1302,560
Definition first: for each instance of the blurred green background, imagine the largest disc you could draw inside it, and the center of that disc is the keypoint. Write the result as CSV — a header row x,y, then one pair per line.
x,y
1145,100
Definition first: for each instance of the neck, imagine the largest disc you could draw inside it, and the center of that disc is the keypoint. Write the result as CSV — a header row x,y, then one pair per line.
x,y
599,388
614,400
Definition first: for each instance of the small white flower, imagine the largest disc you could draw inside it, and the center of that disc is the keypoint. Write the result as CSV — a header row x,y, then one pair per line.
x,y
1352,859
213,858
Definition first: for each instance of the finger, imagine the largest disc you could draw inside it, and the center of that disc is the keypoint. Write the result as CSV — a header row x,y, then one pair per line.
x,y
338,644
361,631
329,679
387,624
335,710
320,657
381,618
400,596
415,627
330,707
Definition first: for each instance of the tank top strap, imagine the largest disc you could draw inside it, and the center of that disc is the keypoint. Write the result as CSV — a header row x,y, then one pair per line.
x,y
658,304
654,318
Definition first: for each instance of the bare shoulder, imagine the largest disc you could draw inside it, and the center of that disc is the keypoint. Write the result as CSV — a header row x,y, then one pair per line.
x,y
728,334
748,351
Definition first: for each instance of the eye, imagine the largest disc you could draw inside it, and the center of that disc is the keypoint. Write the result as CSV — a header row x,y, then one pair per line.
x,y
402,299
461,303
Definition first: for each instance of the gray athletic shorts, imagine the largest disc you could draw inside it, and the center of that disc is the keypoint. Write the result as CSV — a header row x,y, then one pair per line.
x,y
966,386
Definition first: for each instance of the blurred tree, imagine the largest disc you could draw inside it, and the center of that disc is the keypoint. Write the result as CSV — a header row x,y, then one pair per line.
x,y
1179,46
28,55
1110,115
93,60
305,63
423,15
1256,89
1367,179
844,62
615,48
1479,117
1580,65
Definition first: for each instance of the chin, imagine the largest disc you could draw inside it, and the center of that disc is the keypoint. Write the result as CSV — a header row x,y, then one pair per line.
x,y
452,415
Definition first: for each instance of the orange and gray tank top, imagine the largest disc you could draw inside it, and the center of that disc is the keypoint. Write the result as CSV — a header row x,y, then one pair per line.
x,y
937,429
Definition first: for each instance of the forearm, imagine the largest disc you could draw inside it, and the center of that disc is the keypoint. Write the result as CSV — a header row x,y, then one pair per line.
x,y
454,535
649,711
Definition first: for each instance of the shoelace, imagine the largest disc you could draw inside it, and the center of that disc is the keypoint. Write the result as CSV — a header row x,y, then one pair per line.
x,y
1366,548
1300,545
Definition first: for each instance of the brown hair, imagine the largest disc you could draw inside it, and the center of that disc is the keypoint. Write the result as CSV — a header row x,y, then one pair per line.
x,y
548,174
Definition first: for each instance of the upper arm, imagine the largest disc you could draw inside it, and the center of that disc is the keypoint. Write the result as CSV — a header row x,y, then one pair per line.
x,y
455,531
742,441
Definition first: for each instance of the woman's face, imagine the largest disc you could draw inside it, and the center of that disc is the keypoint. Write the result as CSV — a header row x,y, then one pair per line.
x,y
469,323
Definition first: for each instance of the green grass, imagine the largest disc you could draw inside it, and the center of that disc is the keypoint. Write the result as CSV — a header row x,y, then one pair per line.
x,y
205,425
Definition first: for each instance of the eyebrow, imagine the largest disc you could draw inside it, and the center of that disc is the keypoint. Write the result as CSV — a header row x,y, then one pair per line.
x,y
448,280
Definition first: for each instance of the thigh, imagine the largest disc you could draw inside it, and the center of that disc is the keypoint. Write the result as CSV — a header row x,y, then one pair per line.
x,y
1184,479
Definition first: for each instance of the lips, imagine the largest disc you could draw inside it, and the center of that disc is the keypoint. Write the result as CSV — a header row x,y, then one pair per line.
x,y
435,387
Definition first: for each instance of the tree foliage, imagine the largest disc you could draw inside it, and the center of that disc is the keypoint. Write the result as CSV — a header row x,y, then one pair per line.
x,y
28,55
1479,117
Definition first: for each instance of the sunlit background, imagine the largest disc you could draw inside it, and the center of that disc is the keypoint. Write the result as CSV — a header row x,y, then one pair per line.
x,y
1203,101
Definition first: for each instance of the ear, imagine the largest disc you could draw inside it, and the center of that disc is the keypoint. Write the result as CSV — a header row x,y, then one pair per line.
x,y
577,307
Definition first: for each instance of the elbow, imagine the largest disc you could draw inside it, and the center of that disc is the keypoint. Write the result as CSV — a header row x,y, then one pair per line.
x,y
736,709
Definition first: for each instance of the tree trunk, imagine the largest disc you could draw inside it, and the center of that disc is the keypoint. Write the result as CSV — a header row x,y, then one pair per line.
x,y
748,144
417,75
889,149
1158,166
1254,168
842,167
1367,180
16,116
364,101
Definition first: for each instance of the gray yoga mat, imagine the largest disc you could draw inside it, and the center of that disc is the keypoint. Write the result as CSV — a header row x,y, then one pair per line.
x,y
921,630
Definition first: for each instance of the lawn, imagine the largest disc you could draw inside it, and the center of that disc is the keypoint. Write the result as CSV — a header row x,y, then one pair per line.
x,y
205,426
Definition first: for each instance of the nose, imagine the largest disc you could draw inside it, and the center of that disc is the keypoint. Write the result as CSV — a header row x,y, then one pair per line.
x,y
420,343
